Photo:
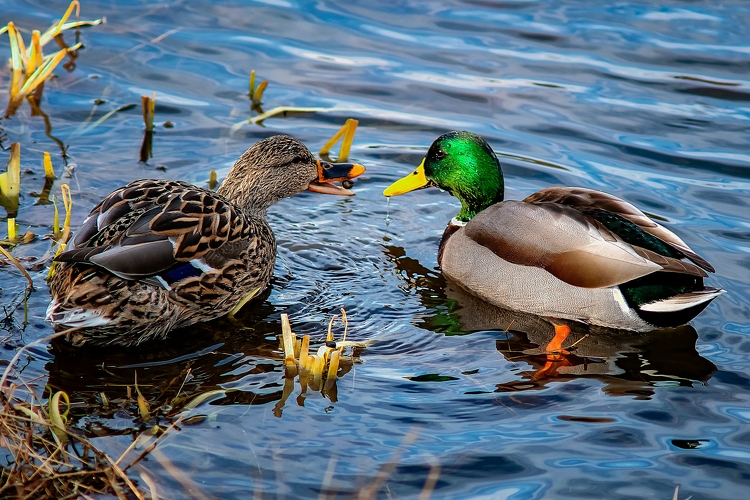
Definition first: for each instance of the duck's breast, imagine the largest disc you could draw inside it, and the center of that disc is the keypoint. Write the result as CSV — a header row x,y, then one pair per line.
x,y
532,289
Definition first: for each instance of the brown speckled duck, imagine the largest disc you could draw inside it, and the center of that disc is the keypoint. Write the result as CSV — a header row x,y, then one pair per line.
x,y
562,252
157,255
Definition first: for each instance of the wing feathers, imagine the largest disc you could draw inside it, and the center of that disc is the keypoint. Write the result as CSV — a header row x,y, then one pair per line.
x,y
149,226
572,246
582,198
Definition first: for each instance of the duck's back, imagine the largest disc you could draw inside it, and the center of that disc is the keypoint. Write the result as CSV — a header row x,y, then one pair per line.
x,y
161,254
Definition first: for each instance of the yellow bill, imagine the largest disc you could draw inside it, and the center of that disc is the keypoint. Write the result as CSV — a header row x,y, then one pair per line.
x,y
414,180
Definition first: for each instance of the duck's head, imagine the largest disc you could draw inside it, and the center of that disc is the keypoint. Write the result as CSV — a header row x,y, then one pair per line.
x,y
279,167
463,164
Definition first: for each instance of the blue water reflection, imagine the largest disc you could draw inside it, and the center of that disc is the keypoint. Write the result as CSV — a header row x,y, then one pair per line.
x,y
648,102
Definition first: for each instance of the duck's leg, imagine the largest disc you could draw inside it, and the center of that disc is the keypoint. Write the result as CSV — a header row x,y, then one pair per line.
x,y
556,355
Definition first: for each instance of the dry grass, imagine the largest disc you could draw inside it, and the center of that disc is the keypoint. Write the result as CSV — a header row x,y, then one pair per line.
x,y
48,459
45,459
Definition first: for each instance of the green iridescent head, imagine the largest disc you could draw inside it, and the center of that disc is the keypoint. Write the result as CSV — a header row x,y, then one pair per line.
x,y
463,164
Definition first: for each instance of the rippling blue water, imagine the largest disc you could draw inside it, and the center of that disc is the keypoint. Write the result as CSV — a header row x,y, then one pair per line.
x,y
648,102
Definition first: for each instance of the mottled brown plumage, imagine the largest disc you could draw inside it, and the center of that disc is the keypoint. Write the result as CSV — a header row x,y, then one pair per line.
x,y
156,255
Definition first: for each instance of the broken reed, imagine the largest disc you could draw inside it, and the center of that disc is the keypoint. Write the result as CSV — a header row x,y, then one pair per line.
x,y
320,370
30,68
148,104
10,183
256,93
346,131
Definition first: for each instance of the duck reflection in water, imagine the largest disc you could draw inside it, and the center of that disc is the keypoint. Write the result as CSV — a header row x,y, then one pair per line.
x,y
627,363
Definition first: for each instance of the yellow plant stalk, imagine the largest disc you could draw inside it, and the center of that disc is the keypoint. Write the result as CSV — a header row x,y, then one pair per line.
x,y
57,27
52,267
333,368
49,172
149,109
256,93
68,203
304,352
42,72
36,58
12,229
59,421
10,180
346,131
17,48
55,218
288,339
31,61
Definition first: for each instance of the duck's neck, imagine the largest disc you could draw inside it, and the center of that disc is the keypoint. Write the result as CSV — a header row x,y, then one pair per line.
x,y
247,192
479,196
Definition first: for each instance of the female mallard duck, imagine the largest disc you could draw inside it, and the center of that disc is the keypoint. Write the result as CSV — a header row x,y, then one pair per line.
x,y
157,255
570,253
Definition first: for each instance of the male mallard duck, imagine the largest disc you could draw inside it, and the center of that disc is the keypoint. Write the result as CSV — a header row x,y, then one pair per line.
x,y
570,253
156,255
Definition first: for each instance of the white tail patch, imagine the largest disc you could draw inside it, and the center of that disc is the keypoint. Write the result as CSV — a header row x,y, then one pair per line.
x,y
682,301
74,318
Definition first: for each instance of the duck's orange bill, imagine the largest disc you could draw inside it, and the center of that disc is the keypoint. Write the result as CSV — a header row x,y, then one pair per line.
x,y
328,173
414,180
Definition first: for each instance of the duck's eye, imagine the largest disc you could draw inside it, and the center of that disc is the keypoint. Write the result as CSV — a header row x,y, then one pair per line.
x,y
440,154
327,166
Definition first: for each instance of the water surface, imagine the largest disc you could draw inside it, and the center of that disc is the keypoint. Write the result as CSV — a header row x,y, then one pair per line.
x,y
648,102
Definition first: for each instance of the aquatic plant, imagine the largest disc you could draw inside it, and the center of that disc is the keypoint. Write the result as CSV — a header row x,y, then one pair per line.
x,y
319,371
30,68
148,105
10,187
61,236
256,93
346,134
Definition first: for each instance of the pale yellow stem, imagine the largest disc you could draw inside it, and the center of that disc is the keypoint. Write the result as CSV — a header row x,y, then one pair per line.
x,y
12,229
47,162
68,203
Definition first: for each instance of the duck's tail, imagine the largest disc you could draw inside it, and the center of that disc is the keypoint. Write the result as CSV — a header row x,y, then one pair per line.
x,y
682,301
678,309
